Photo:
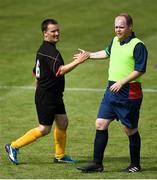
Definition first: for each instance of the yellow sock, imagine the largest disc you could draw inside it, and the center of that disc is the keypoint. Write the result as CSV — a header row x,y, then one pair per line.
x,y
60,142
29,137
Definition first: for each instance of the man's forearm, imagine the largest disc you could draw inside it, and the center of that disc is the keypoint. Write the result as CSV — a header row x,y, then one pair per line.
x,y
98,55
132,76
68,67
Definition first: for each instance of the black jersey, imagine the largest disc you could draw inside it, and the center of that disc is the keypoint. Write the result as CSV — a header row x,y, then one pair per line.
x,y
48,61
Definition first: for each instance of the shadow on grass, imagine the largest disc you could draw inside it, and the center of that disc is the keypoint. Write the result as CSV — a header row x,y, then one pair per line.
x,y
116,160
151,162
106,159
148,163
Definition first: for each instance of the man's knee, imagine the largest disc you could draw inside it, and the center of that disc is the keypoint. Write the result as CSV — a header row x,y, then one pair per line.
x,y
44,129
130,131
102,124
61,121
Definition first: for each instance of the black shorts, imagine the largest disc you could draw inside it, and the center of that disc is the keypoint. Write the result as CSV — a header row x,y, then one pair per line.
x,y
47,105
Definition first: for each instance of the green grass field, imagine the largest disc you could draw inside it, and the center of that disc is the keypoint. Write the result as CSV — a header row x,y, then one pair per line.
x,y
86,24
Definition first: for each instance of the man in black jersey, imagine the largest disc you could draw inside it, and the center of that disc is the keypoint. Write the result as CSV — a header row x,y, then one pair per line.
x,y
49,71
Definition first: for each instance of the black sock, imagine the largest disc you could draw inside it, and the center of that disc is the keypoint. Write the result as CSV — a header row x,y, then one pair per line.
x,y
100,143
135,146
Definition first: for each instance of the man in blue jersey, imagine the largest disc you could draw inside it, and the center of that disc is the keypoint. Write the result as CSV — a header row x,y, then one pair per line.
x,y
123,97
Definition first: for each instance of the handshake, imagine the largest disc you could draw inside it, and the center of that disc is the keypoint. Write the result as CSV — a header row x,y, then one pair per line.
x,y
81,56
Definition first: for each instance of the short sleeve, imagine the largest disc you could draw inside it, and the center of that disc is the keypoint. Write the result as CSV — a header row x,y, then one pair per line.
x,y
108,48
140,56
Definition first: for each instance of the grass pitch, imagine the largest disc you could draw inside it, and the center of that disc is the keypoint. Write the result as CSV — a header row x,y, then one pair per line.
x,y
85,24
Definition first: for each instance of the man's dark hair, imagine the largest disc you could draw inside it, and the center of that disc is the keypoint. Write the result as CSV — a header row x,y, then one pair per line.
x,y
46,22
128,18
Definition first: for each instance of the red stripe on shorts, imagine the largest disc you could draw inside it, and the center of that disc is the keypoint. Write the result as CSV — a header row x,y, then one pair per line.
x,y
135,90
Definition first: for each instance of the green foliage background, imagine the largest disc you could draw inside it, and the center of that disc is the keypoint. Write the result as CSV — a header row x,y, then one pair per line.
x,y
86,24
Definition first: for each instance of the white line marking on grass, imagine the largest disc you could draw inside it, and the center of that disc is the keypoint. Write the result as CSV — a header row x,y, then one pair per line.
x,y
102,90
18,87
70,89
85,89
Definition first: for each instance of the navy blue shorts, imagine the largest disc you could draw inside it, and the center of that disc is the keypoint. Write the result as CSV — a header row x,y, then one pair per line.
x,y
119,106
